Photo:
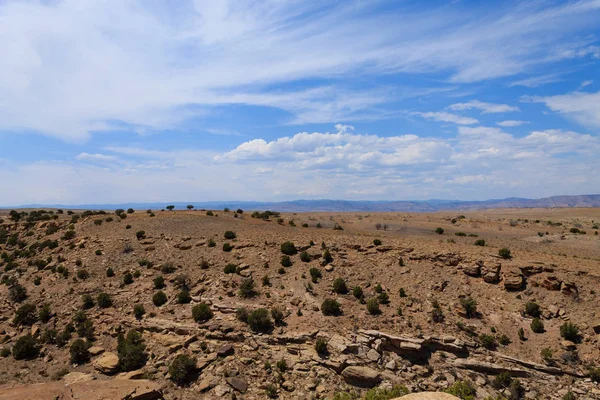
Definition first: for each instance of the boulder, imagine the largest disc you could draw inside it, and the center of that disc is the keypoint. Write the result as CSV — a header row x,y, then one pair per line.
x,y
107,363
531,270
225,350
551,282
569,288
513,281
491,273
361,376
238,384
472,270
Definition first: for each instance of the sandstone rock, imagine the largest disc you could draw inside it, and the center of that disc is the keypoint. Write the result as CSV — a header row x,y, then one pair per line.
x,y
569,288
568,345
76,377
107,363
96,350
225,350
472,270
361,376
238,384
550,282
531,270
513,281
117,389
288,386
373,355
491,274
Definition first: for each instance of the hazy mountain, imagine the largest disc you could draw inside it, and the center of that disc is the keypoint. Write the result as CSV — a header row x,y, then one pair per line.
x,y
348,205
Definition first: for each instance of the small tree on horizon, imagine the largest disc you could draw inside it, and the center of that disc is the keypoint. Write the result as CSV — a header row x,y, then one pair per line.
x,y
190,207
170,208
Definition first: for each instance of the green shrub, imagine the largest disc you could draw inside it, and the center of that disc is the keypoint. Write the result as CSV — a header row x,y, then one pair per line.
x,y
103,300
259,320
383,298
305,257
321,346
140,235
488,341
168,268
79,352
277,315
537,326
339,286
17,293
402,292
247,288
315,274
521,333
230,269
25,315
377,242
502,380
357,292
327,258
373,306
159,282
532,309
288,248
98,252
211,242
463,390
139,311
242,314
227,247
201,312
479,242
5,352
45,313
184,297
230,235
83,274
159,298
128,278
266,281
469,305
286,261
439,231
25,348
182,369
570,331
130,350
331,307
504,253
110,273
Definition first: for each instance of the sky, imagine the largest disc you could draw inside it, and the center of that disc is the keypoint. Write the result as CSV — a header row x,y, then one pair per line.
x,y
114,101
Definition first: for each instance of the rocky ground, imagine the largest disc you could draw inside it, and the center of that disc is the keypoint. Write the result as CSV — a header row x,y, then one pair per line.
x,y
451,313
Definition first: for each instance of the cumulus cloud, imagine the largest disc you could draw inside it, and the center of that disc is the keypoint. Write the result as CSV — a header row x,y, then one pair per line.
x,y
447,117
511,123
485,108
583,107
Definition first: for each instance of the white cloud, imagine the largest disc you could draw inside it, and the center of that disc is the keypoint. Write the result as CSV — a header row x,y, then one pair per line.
x,y
536,81
486,108
71,68
95,157
479,162
510,123
581,106
447,117
585,83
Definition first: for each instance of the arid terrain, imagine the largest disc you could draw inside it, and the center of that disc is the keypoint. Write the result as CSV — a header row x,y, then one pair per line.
x,y
497,304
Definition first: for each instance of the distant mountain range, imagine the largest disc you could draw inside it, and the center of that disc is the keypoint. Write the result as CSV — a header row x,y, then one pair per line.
x,y
592,200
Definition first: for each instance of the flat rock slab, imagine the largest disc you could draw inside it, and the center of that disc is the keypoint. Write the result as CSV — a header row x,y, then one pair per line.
x,y
238,384
107,363
114,389
361,376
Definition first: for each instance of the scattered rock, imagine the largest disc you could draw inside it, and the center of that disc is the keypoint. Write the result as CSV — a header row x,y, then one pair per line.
x,y
361,376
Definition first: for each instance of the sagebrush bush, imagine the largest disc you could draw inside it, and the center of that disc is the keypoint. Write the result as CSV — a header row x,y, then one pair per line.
x,y
488,341
357,292
26,315
139,311
159,282
184,297
259,320
532,309
570,331
504,253
201,312
130,350
159,298
128,278
439,230
277,315
103,300
230,235
227,247
315,274
286,261
537,326
373,306
331,307
321,346
305,257
469,305
25,348
339,286
247,288
182,369
79,352
230,269
288,248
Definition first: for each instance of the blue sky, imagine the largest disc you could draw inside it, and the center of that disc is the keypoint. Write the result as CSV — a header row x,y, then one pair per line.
x,y
110,101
